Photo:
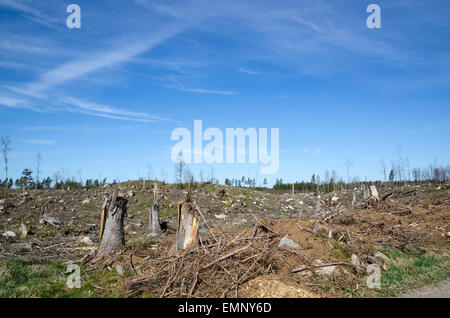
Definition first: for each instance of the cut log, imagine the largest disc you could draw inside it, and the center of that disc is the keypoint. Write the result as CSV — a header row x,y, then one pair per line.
x,y
112,237
187,229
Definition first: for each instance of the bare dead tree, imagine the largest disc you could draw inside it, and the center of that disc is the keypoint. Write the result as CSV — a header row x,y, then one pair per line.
x,y
201,176
348,164
6,141
79,172
212,172
327,176
149,172
401,164
38,167
179,169
383,168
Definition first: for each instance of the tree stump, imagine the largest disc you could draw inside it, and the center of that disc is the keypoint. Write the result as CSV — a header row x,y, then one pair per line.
x,y
153,221
187,229
112,237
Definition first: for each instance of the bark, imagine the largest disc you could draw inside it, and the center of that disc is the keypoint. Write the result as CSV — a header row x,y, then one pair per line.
x,y
153,221
112,237
187,230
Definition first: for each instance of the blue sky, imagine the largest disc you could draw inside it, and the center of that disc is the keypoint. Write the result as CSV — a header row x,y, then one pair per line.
x,y
105,98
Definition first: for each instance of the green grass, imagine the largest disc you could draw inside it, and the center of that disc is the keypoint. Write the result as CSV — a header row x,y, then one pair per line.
x,y
437,192
414,272
32,278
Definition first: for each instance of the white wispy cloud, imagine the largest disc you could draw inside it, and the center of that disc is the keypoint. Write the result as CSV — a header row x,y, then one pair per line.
x,y
30,13
75,105
9,102
177,85
107,111
247,71
307,23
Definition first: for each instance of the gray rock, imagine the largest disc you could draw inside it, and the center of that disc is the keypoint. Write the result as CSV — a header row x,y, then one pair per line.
x,y
50,220
287,242
120,270
355,260
86,240
21,246
9,234
326,271
381,256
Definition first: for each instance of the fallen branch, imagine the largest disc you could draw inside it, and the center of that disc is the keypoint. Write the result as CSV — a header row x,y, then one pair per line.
x,y
300,269
226,256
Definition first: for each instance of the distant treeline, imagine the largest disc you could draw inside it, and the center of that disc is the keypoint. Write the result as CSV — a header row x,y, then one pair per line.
x,y
26,181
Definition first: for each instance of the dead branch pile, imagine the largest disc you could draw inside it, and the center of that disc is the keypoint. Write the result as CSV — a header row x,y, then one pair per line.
x,y
218,266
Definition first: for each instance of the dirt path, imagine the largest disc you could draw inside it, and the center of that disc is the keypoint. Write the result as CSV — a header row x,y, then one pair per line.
x,y
439,290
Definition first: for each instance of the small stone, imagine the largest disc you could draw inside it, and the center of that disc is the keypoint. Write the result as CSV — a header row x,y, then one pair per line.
x,y
220,216
130,193
324,271
9,234
287,242
381,256
319,229
87,201
120,270
22,246
355,260
50,220
86,240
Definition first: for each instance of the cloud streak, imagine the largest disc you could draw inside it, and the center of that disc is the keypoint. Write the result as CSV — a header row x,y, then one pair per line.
x,y
106,111
30,13
177,85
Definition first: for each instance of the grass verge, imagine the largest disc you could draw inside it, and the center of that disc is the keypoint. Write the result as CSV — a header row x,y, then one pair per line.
x,y
30,278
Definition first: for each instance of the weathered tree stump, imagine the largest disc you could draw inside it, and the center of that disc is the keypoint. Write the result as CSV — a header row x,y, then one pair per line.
x,y
153,220
187,229
112,237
